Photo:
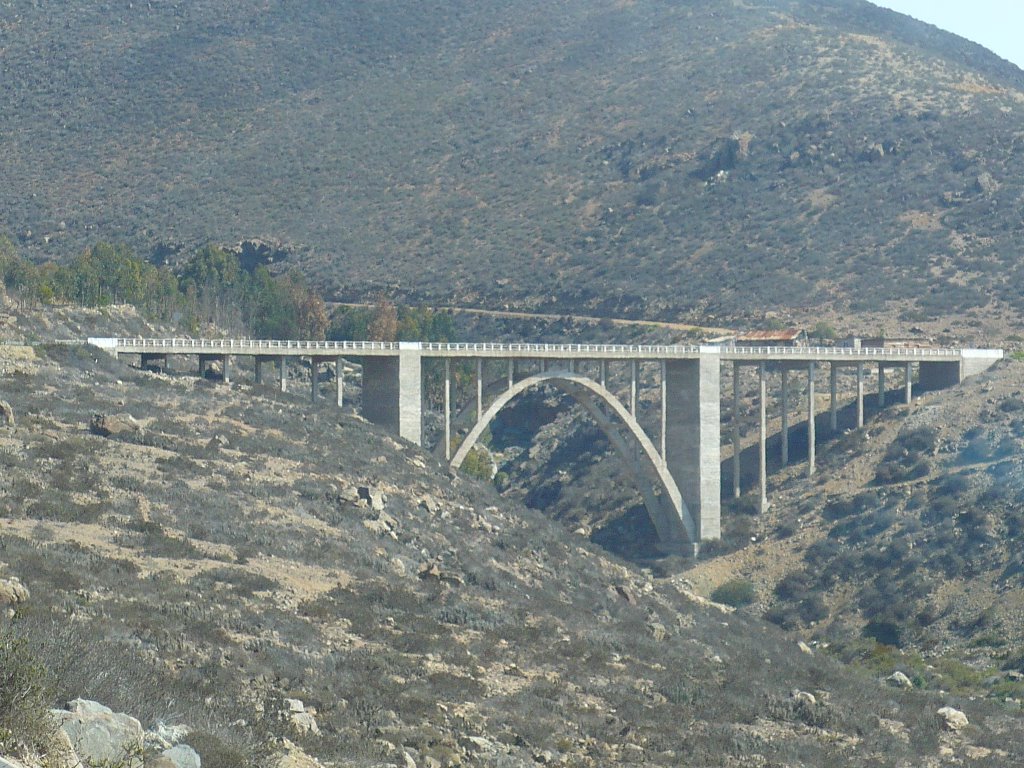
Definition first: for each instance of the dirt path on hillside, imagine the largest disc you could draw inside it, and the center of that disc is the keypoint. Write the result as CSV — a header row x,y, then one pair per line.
x,y
509,314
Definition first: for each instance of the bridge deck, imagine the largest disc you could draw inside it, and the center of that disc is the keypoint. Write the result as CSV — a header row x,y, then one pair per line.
x,y
294,348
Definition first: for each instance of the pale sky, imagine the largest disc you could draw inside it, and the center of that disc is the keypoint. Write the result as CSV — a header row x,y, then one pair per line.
x,y
996,24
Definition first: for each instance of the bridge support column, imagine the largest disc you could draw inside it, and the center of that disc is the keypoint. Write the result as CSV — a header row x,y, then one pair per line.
x,y
881,385
908,384
810,419
258,369
314,378
693,444
339,381
632,386
664,409
736,430
833,390
785,416
511,373
860,395
226,363
282,363
479,388
762,437
604,374
447,409
392,391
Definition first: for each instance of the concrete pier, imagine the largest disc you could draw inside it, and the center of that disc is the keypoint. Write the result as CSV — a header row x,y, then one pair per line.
x,y
860,395
693,452
810,419
762,438
479,387
632,386
736,430
784,433
447,409
833,399
339,381
393,392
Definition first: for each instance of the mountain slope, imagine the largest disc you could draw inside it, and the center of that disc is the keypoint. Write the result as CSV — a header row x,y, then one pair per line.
x,y
726,156
232,548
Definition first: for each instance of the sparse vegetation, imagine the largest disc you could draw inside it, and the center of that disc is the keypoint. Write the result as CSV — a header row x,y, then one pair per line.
x,y
346,173
735,592
25,698
289,582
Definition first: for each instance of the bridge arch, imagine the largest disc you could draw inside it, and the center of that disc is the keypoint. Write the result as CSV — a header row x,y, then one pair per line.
x,y
662,498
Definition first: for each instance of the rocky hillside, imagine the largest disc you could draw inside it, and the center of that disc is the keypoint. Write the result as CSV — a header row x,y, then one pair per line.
x,y
643,158
908,536
207,556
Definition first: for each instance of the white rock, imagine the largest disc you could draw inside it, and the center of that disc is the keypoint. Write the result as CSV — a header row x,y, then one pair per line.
x,y
183,756
304,723
805,697
100,735
952,719
899,680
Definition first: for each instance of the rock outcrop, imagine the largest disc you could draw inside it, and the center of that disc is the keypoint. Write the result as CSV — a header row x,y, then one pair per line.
x,y
952,719
115,425
6,415
100,735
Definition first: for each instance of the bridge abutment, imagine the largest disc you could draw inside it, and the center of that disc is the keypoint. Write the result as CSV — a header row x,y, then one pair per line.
x,y
939,375
692,447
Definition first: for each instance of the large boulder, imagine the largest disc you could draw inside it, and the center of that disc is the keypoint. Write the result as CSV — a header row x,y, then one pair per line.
x,y
101,735
114,425
182,756
6,415
12,592
302,721
289,755
952,719
899,680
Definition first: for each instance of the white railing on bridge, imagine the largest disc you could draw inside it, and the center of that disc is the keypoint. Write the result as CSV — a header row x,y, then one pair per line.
x,y
854,352
492,349
253,344
574,349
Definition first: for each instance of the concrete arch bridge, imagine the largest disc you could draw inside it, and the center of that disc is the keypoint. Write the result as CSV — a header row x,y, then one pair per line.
x,y
677,464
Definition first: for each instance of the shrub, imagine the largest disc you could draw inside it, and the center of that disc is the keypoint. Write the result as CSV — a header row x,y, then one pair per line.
x,y
813,609
736,592
25,696
478,464
884,632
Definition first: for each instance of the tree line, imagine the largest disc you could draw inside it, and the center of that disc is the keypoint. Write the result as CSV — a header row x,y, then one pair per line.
x,y
210,288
